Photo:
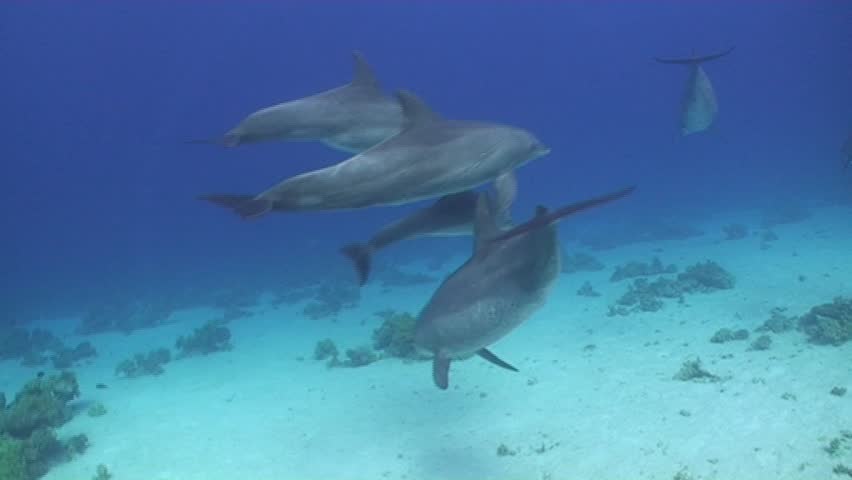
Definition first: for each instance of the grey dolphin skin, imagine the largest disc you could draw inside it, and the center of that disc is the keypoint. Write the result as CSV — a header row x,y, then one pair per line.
x,y
353,117
431,157
451,215
699,107
507,278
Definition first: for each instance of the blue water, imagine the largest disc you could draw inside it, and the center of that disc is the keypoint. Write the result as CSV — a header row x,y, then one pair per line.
x,y
98,100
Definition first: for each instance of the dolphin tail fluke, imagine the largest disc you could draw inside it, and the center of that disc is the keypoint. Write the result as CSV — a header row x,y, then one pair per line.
x,y
441,371
489,355
246,206
694,60
361,256
544,218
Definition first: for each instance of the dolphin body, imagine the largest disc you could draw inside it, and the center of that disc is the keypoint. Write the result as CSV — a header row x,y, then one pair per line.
x,y
430,157
505,281
352,117
699,106
452,215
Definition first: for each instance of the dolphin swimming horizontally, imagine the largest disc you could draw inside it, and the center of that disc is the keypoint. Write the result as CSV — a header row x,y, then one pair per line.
x,y
507,278
699,107
430,157
353,117
451,215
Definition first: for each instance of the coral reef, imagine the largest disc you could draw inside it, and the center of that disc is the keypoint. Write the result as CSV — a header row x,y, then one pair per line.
x,y
641,269
784,214
67,357
838,391
97,410
735,231
142,364
705,277
395,336
692,371
125,316
762,342
102,473
326,350
586,290
331,299
580,262
28,443
778,322
204,340
359,357
724,335
830,323
31,347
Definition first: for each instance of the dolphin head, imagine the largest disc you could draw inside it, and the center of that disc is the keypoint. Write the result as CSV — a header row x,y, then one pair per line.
x,y
515,147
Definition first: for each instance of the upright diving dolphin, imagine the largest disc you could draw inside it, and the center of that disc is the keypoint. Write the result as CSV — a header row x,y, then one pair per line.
x,y
699,107
352,117
507,278
451,215
430,157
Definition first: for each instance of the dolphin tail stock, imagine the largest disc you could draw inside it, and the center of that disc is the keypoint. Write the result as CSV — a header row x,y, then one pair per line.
x,y
246,206
361,256
544,218
694,60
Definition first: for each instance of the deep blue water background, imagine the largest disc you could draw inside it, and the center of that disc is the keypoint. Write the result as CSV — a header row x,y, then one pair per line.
x,y
97,98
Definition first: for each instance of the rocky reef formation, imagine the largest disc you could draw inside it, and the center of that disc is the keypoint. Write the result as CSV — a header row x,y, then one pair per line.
x,y
829,323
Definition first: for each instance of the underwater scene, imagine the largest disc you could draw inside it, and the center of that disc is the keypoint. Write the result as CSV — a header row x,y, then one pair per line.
x,y
416,240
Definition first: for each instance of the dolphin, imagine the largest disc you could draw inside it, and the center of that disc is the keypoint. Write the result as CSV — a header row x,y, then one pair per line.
x,y
847,151
352,117
430,157
504,282
451,215
699,103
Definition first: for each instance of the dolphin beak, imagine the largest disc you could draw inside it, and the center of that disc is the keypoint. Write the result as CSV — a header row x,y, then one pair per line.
x,y
542,150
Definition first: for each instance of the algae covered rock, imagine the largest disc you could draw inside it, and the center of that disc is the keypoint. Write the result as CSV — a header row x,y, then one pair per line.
x,y
209,338
41,403
144,364
830,323
395,337
13,464
705,277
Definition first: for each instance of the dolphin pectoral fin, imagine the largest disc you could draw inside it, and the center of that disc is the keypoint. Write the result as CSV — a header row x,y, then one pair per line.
x,y
360,255
246,206
441,371
488,355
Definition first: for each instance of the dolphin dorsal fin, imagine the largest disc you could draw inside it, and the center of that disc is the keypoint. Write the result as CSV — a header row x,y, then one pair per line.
x,y
363,75
484,225
414,109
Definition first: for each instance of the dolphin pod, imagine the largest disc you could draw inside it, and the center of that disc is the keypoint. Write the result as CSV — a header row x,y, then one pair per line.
x,y
403,152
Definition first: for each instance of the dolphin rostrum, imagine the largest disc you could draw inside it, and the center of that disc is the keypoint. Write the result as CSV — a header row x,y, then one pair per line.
x,y
352,117
451,215
430,157
699,102
505,281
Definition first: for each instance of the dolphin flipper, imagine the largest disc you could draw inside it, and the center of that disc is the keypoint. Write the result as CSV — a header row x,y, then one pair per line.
x,y
488,355
246,206
544,217
361,256
694,60
441,371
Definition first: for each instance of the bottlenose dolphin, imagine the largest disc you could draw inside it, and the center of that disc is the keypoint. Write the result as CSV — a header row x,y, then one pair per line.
x,y
699,102
507,278
352,117
847,151
451,215
431,157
